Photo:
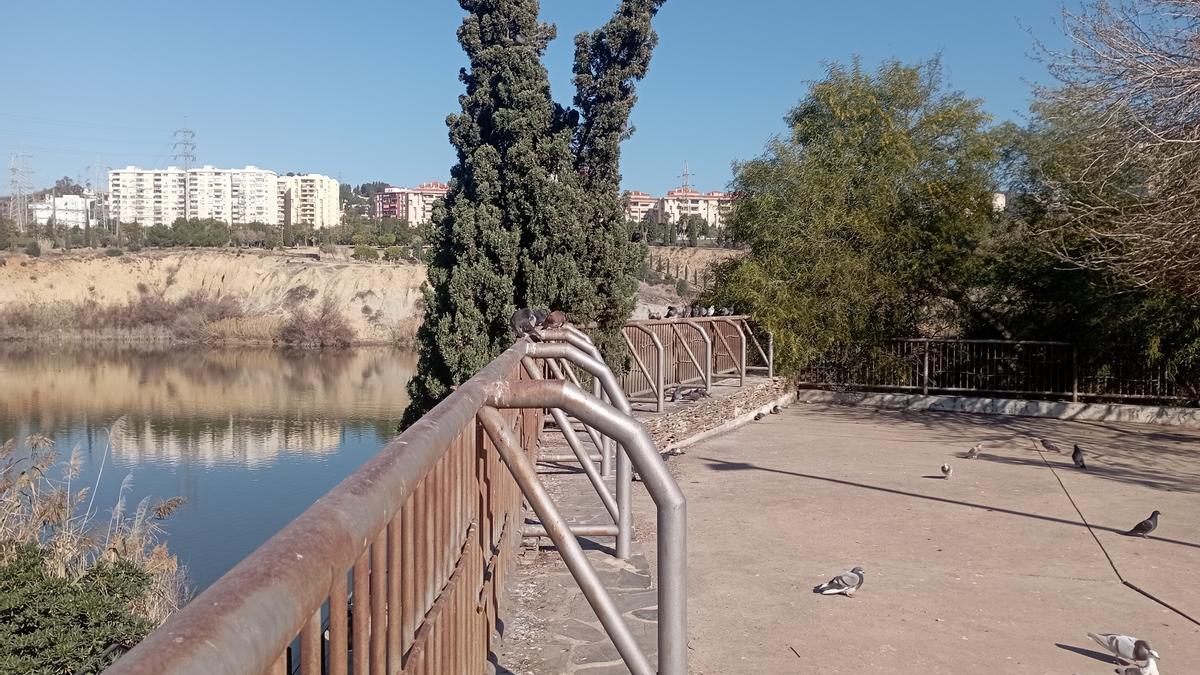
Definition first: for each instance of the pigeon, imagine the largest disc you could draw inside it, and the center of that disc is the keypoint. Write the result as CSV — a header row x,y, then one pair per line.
x,y
1077,457
845,584
725,311
524,323
555,319
1125,647
711,311
672,312
1145,527
758,416
540,314
1050,447
947,471
775,410
974,451
654,316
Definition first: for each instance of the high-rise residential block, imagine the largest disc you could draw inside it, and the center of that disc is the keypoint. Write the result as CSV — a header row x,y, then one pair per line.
x,y
310,199
412,204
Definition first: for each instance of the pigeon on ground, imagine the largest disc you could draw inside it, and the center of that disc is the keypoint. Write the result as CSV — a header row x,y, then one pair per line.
x,y
758,416
947,471
1077,457
775,410
524,322
1145,527
974,451
845,584
556,319
672,312
1125,647
695,394
1051,447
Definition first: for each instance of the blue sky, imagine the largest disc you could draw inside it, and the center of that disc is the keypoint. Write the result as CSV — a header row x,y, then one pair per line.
x,y
360,90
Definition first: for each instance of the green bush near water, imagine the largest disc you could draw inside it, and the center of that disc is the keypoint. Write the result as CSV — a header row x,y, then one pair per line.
x,y
54,625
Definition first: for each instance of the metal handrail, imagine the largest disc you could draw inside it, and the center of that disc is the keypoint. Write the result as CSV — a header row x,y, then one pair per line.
x,y
424,561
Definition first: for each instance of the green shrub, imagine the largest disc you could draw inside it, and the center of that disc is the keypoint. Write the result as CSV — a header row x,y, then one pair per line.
x,y
387,239
681,287
113,252
393,253
32,249
364,252
55,625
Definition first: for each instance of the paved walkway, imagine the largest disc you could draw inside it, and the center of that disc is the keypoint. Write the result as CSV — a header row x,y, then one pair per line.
x,y
992,571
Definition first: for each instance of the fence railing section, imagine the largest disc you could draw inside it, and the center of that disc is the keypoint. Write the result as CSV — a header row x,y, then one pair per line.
x,y
665,354
400,568
1004,367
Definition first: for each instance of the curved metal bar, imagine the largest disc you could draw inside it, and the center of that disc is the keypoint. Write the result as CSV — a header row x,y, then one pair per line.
x,y
573,336
660,394
670,505
556,528
585,461
708,355
598,439
553,350
742,357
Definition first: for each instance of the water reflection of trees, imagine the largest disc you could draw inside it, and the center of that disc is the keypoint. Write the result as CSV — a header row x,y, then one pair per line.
x,y
241,405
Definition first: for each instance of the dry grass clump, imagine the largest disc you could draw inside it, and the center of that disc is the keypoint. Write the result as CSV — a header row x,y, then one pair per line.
x,y
327,327
186,318
51,513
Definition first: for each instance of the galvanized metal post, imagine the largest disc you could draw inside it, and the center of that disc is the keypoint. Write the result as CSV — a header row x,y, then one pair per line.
x,y
585,460
670,505
707,373
925,368
1074,375
770,355
568,547
551,350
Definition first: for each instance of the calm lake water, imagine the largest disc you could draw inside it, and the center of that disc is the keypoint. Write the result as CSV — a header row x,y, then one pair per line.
x,y
250,437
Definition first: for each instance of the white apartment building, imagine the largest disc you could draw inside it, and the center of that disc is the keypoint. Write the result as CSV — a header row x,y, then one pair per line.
x,y
310,199
247,195
147,196
679,203
69,211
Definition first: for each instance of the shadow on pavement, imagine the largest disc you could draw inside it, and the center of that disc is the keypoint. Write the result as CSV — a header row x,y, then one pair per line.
x,y
722,465
1090,653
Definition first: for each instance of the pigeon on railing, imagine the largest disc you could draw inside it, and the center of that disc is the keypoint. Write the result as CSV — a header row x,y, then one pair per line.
x,y
524,322
555,319
672,312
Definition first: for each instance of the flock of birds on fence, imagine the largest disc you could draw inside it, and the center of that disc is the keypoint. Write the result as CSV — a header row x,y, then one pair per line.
x,y
692,311
1134,655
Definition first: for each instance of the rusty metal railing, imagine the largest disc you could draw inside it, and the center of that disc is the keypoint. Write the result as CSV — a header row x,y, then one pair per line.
x,y
400,567
1005,367
666,354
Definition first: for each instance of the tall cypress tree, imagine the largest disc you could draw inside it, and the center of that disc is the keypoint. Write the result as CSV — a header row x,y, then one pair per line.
x,y
533,216
608,64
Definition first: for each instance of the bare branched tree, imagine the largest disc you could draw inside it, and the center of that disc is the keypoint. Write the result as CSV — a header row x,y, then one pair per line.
x,y
1124,124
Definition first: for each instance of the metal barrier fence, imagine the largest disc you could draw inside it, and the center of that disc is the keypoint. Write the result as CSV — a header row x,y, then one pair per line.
x,y
666,354
400,568
1008,367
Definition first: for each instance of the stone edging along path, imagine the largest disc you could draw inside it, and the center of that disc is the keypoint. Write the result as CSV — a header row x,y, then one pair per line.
x,y
1188,418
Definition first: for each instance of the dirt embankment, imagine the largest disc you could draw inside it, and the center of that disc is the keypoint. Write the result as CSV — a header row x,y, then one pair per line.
x,y
380,300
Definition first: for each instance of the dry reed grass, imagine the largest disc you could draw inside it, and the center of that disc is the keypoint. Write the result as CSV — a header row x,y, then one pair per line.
x,y
48,510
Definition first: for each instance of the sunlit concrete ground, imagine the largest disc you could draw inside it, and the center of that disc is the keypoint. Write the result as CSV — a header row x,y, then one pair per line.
x,y
992,571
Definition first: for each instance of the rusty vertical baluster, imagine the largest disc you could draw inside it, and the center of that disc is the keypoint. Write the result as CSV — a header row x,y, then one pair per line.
x,y
310,645
338,626
379,597
408,578
360,614
395,573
